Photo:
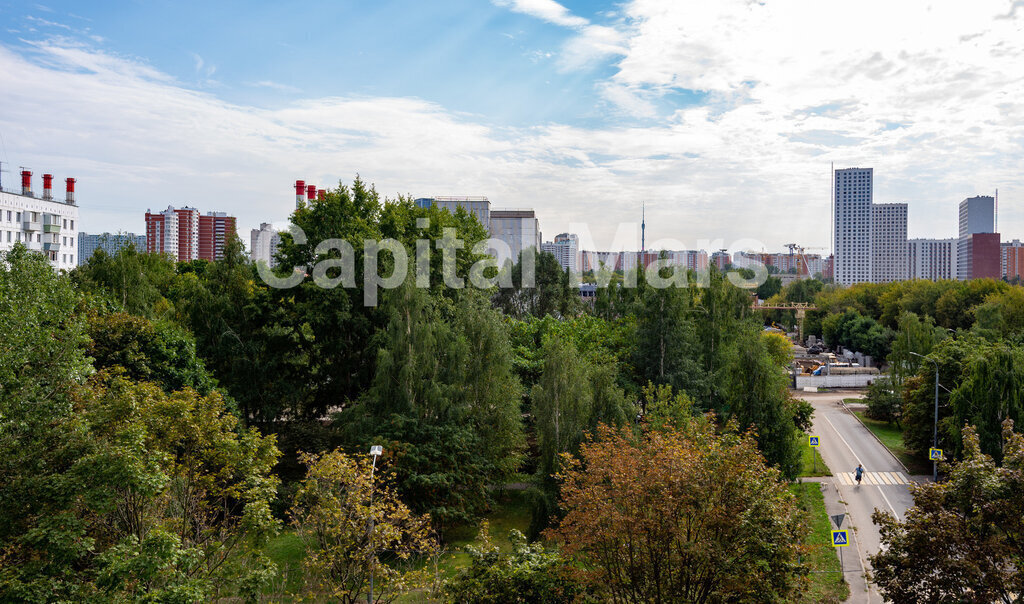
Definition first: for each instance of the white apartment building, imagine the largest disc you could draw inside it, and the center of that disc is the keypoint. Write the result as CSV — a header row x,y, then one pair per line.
x,y
566,248
263,243
869,240
42,223
852,224
518,229
977,215
888,242
932,259
478,206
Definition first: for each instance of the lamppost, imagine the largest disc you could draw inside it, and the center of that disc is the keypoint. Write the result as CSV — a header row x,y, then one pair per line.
x,y
935,427
375,451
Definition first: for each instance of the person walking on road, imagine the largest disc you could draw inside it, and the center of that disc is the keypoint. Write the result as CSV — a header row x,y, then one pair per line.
x,y
859,472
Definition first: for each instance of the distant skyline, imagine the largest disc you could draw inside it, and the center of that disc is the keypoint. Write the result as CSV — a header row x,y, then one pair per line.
x,y
722,117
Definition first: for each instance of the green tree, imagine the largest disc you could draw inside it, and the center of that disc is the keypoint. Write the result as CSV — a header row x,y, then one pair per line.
x,y
756,396
991,392
563,401
550,293
960,541
666,348
134,280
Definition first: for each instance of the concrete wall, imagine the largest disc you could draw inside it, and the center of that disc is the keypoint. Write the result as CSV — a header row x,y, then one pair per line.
x,y
835,381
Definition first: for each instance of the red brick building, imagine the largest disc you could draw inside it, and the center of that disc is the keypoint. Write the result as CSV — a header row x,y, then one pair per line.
x,y
185,235
983,256
215,229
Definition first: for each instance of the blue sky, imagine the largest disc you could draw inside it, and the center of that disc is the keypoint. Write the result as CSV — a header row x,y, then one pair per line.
x,y
724,117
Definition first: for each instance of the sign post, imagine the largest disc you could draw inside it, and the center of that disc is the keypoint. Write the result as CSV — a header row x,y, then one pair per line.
x,y
814,442
840,539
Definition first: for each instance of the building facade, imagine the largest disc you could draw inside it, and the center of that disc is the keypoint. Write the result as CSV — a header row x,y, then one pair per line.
x,y
215,230
983,256
1012,259
263,243
186,235
42,223
566,248
977,215
110,243
932,259
852,223
518,230
888,242
478,206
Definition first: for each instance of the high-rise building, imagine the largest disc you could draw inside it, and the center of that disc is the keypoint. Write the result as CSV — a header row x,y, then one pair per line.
x,y
263,243
519,230
870,240
215,230
983,261
977,215
853,219
108,242
42,223
477,206
566,248
185,235
888,242
721,259
1012,259
932,259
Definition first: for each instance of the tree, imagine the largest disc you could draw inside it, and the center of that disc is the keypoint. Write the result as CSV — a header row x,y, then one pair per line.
x,y
529,574
756,397
992,391
916,336
135,281
551,292
563,402
158,352
680,515
333,514
137,494
666,347
961,541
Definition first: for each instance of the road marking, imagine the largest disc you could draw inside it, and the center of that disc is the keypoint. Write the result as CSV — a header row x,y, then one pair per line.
x,y
903,478
887,502
885,478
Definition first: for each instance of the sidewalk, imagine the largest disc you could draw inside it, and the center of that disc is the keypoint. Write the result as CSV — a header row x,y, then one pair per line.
x,y
854,560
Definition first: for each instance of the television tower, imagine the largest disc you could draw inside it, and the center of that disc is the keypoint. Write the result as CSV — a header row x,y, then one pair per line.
x,y
643,226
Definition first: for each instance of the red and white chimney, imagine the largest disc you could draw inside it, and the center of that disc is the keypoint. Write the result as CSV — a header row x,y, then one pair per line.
x,y
71,190
321,194
310,192
26,182
300,192
47,186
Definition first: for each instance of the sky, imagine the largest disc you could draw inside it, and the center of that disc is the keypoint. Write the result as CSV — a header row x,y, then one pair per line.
x,y
721,119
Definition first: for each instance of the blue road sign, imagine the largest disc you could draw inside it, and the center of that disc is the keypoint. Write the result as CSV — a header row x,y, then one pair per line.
x,y
935,454
839,539
814,441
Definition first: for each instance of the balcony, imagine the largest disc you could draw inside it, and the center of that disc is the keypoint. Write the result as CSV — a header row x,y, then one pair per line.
x,y
51,246
28,224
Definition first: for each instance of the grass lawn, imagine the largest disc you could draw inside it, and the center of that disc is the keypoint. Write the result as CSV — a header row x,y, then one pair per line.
x,y
892,437
825,585
811,463
511,511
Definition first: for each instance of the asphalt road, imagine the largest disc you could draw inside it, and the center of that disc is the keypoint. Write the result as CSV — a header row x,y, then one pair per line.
x,y
845,442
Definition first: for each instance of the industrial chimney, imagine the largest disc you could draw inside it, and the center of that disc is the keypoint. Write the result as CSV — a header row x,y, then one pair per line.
x,y
321,194
71,190
300,192
47,186
310,192
26,183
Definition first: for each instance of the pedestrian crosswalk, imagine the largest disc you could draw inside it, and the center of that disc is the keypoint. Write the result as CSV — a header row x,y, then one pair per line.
x,y
874,478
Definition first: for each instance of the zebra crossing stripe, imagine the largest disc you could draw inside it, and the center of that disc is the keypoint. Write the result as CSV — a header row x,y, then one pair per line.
x,y
903,479
886,478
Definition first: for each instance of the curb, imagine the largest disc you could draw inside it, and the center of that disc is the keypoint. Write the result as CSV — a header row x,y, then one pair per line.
x,y
875,436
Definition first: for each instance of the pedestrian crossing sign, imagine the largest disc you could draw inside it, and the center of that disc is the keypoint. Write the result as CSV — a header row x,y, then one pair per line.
x,y
935,454
813,441
839,539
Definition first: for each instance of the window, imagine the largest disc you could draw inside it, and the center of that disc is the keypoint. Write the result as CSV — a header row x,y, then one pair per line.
x,y
72,225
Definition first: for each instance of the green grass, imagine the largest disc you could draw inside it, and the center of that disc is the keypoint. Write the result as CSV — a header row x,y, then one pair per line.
x,y
287,551
826,585
811,463
892,438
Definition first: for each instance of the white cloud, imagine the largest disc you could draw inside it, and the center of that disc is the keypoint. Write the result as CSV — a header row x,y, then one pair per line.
x,y
933,102
547,10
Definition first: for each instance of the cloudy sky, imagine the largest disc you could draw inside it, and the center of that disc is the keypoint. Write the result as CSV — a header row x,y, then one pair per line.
x,y
723,117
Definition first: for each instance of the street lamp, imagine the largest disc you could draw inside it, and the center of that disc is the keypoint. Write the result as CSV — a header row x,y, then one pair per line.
x,y
935,428
375,451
